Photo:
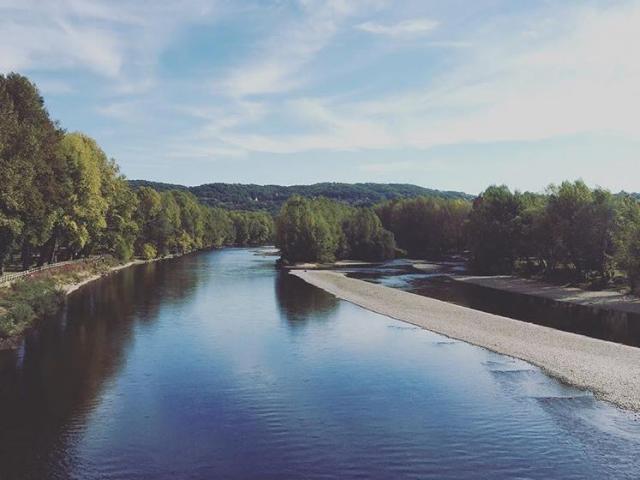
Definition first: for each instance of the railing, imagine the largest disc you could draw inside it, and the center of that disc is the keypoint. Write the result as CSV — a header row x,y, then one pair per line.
x,y
11,276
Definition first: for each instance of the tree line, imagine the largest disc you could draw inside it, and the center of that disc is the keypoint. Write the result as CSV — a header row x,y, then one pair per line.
x,y
272,197
583,233
323,230
61,197
570,230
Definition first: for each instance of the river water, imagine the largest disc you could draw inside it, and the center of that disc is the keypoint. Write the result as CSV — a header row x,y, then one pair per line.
x,y
216,365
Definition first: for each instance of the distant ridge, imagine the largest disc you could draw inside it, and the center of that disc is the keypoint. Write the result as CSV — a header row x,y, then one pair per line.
x,y
271,197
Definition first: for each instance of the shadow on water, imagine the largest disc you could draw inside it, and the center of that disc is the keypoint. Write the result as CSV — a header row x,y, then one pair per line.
x,y
299,302
51,384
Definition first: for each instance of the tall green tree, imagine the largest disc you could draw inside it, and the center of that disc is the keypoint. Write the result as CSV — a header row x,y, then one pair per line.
x,y
302,234
80,218
30,193
582,222
321,230
366,238
495,230
627,240
426,227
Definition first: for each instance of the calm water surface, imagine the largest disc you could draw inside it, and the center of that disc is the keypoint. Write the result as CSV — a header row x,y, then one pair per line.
x,y
217,366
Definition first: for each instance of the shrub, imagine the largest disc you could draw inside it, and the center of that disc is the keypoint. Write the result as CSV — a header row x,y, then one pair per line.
x,y
123,250
16,320
27,300
149,251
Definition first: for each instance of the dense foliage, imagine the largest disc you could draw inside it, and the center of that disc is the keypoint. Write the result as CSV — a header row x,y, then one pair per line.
x,y
582,232
426,227
26,301
39,295
322,230
571,231
272,197
63,198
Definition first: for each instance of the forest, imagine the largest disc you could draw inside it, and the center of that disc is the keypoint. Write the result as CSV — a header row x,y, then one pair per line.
x,y
63,198
272,197
324,230
570,232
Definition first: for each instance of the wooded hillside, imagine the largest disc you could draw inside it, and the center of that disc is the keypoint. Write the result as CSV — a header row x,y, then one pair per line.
x,y
272,197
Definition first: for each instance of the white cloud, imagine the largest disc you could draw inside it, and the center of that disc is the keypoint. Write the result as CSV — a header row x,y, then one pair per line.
x,y
279,65
105,37
59,45
578,76
124,110
417,26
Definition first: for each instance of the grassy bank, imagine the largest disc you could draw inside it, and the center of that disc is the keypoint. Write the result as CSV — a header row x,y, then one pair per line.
x,y
41,294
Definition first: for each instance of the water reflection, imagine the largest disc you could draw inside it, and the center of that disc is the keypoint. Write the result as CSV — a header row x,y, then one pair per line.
x,y
50,385
189,369
299,302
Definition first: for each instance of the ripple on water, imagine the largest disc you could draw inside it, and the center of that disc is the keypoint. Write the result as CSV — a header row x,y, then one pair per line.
x,y
216,366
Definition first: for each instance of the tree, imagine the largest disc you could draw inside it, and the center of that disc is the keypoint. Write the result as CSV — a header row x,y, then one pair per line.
x,y
81,215
121,228
302,234
627,240
30,191
366,238
252,228
582,222
321,230
147,217
495,230
426,227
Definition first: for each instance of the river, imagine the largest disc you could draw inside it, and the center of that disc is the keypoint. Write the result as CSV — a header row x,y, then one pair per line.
x,y
216,365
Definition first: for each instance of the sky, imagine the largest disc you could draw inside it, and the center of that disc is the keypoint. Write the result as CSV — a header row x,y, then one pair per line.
x,y
455,95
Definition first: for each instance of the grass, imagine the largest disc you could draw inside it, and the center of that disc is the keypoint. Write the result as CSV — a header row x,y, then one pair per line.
x,y
40,294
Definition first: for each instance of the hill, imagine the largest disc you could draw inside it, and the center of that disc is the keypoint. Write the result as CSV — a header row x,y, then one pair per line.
x,y
271,197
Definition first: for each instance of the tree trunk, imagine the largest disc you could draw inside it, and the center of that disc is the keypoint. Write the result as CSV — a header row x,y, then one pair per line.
x,y
26,256
48,250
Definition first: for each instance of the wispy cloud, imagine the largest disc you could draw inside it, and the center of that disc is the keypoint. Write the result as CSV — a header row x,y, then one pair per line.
x,y
194,80
417,26
576,79
104,37
279,65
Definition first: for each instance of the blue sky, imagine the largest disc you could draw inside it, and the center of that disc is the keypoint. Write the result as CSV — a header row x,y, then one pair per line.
x,y
445,94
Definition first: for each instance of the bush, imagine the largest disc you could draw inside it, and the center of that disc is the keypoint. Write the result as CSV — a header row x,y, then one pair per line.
x,y
123,250
21,315
16,320
149,252
27,300
6,326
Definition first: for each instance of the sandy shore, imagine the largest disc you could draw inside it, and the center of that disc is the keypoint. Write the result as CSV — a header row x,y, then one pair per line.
x,y
606,299
328,266
610,370
68,288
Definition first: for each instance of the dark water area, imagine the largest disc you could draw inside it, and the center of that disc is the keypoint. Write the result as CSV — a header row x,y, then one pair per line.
x,y
615,326
216,365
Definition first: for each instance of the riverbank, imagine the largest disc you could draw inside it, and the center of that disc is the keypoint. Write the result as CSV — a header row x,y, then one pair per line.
x,y
605,299
610,370
63,281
